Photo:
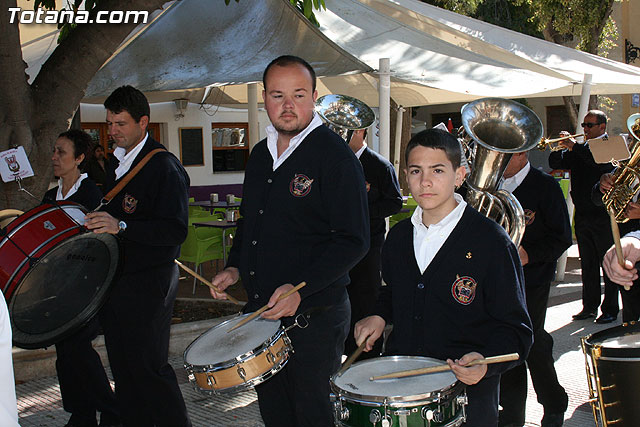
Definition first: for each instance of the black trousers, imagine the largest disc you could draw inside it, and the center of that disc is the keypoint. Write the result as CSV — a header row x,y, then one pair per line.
x,y
136,321
593,233
84,385
631,302
298,395
513,385
363,293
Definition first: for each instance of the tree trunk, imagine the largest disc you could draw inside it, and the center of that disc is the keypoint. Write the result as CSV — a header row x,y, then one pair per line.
x,y
33,115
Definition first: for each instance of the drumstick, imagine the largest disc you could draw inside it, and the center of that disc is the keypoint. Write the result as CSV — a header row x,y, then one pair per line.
x,y
615,231
353,357
206,282
265,307
445,367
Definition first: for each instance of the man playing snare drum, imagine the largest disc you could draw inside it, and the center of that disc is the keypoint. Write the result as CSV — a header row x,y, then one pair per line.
x,y
454,280
304,218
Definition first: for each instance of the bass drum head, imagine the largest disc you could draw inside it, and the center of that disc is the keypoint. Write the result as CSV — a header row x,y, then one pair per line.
x,y
620,341
63,290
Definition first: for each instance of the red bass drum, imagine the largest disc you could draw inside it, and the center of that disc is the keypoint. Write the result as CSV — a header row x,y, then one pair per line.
x,y
54,274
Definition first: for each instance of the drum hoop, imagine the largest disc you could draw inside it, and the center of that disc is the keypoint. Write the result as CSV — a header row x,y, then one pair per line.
x,y
228,363
613,353
38,215
36,250
396,401
89,312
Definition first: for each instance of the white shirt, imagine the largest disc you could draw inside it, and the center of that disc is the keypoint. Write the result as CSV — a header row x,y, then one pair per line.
x,y
73,189
361,150
427,241
8,405
510,184
272,141
126,159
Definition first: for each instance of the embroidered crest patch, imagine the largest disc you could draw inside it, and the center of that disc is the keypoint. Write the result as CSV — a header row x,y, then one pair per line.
x,y
464,290
129,203
300,185
529,216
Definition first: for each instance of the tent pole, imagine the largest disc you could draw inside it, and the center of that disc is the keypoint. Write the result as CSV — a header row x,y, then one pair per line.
x,y
384,93
584,100
398,140
252,101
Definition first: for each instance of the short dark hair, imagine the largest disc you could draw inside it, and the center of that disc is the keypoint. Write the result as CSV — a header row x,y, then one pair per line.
x,y
600,116
285,60
81,143
437,139
129,99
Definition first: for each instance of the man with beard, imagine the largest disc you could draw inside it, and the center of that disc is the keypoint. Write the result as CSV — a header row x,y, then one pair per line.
x,y
304,218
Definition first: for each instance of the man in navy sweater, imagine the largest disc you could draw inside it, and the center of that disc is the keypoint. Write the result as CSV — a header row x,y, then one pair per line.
x,y
454,280
304,218
546,237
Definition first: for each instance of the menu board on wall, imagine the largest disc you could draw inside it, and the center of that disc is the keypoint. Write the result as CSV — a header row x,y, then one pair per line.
x,y
191,146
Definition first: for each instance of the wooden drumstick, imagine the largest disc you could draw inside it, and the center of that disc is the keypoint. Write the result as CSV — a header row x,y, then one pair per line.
x,y
615,231
206,282
445,367
353,357
264,308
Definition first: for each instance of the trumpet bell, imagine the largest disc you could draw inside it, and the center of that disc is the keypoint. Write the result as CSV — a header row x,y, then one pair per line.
x,y
343,113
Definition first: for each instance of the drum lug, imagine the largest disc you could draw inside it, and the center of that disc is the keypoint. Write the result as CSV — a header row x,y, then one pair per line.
x,y
270,357
211,381
462,400
375,417
431,415
341,412
242,373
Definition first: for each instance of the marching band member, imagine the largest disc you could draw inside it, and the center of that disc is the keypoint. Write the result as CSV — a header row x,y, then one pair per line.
x,y
304,218
84,385
592,225
454,280
149,216
385,199
546,237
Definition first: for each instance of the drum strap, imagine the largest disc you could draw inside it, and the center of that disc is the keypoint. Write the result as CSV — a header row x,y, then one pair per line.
x,y
128,177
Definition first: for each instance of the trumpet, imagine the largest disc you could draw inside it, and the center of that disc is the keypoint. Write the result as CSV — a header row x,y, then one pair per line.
x,y
553,143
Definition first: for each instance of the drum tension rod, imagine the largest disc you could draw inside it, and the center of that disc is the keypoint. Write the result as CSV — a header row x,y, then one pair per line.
x,y
32,260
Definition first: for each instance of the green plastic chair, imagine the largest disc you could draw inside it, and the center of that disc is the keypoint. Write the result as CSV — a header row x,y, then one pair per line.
x,y
199,215
201,245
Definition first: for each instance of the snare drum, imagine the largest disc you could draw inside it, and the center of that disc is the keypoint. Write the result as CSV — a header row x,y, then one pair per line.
x,y
433,400
53,274
219,362
613,373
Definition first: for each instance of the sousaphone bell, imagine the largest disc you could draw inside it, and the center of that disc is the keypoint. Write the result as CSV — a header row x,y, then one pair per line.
x,y
342,114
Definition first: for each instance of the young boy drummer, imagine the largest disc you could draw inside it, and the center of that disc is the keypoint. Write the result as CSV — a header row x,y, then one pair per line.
x,y
454,280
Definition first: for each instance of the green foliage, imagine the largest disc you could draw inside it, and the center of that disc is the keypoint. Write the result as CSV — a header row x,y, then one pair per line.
x,y
512,14
305,7
463,7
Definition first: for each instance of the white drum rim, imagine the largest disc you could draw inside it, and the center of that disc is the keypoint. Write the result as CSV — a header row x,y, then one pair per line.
x,y
394,401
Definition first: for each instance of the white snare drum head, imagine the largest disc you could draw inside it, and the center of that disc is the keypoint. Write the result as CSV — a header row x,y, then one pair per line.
x,y
75,213
216,345
356,378
624,341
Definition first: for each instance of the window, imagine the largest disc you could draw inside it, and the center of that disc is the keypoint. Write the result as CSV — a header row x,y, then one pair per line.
x,y
230,146
100,134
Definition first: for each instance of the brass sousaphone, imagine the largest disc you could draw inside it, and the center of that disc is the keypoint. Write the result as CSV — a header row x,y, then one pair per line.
x,y
344,113
498,128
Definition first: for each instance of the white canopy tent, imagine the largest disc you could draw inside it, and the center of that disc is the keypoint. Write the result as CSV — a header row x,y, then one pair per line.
x,y
436,56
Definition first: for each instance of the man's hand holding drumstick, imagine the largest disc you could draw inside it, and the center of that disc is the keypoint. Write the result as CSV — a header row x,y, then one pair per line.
x,y
277,309
631,254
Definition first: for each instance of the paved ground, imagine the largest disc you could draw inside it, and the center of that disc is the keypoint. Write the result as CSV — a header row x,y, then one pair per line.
x,y
39,402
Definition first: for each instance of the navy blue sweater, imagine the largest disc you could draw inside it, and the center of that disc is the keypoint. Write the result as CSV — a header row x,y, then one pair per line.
x,y
305,221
